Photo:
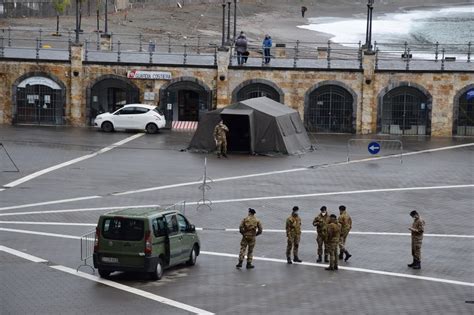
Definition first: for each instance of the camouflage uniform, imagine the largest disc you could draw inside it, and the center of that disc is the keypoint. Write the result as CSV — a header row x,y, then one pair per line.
x,y
293,233
321,223
220,137
334,233
346,225
417,238
250,227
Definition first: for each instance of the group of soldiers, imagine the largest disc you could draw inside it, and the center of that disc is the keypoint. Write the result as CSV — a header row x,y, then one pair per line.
x,y
332,232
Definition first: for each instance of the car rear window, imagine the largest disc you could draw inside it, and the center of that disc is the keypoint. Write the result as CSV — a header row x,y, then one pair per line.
x,y
158,111
123,229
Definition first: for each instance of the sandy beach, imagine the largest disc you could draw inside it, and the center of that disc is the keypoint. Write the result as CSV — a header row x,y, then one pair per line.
x,y
279,18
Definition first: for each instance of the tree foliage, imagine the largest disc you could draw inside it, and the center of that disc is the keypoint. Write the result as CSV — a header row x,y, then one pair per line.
x,y
61,5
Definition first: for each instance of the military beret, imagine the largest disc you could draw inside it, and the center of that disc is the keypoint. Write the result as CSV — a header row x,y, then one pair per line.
x,y
295,208
323,208
342,208
252,211
413,213
333,216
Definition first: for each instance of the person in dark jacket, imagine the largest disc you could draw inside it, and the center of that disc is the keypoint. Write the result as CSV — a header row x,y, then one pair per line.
x,y
267,44
241,47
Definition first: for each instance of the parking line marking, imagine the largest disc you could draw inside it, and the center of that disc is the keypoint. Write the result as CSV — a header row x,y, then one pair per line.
x,y
73,161
386,273
49,202
77,210
109,283
379,272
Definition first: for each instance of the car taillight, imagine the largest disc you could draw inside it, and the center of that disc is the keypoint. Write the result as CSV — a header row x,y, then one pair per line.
x,y
148,243
96,240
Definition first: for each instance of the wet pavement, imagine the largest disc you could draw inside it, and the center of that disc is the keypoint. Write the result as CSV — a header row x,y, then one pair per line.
x,y
378,193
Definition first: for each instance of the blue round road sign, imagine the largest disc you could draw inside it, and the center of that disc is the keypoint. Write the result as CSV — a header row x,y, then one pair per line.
x,y
373,147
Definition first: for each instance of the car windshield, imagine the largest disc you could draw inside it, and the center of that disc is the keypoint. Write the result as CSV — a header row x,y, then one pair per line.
x,y
123,229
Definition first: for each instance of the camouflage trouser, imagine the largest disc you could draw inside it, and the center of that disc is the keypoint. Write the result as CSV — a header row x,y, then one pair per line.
x,y
247,241
342,242
293,242
416,248
333,258
321,240
221,146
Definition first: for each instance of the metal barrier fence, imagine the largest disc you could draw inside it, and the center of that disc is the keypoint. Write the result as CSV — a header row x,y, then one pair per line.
x,y
365,148
87,249
6,158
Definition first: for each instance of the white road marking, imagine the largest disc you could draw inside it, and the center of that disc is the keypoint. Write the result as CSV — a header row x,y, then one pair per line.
x,y
237,230
22,254
2,189
49,202
379,272
73,161
77,210
109,283
386,273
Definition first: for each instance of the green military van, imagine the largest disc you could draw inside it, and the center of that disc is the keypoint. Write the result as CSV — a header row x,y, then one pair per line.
x,y
144,240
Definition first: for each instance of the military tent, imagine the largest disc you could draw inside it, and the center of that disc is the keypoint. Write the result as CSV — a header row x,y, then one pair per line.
x,y
258,126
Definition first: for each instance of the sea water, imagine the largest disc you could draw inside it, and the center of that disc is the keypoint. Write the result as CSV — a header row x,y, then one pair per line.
x,y
453,27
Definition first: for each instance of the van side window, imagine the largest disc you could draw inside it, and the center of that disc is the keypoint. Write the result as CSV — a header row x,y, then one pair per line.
x,y
182,223
172,223
159,227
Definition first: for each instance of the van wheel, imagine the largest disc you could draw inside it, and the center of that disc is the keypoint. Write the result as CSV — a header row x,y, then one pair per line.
x,y
107,126
104,273
159,270
151,128
192,257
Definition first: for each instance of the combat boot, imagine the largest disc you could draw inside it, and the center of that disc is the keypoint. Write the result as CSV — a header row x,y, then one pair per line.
x,y
326,258
319,259
218,155
417,265
412,264
249,265
347,256
224,155
288,260
239,265
329,268
296,259
341,255
335,267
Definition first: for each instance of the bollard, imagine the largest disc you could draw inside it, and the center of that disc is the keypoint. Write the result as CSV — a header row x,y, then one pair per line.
x,y
86,47
118,51
98,42
151,56
442,59
69,46
215,56
436,51
469,52
185,54
359,56
40,38
407,67
199,45
169,43
111,42
9,36
37,48
377,59
1,47
296,53
329,54
140,42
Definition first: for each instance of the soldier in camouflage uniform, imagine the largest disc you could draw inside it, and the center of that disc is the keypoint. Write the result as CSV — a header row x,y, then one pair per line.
x,y
417,229
293,233
334,233
321,223
250,228
346,225
221,139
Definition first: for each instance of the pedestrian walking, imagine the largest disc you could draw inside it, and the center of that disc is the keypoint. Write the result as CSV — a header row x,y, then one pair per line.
x,y
220,137
346,225
417,229
321,223
334,233
241,47
267,45
293,234
250,228
303,10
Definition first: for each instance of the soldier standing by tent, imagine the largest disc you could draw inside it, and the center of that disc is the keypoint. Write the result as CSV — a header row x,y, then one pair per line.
x,y
221,139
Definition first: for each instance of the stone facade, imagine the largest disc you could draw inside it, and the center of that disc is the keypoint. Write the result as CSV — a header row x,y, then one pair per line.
x,y
367,86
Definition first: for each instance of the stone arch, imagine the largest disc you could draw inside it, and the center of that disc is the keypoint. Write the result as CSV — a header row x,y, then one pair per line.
x,y
61,112
344,86
276,88
395,85
456,106
195,95
132,97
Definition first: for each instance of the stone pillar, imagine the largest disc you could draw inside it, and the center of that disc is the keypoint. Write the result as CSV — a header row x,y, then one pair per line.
x,y
367,122
223,97
77,101
443,92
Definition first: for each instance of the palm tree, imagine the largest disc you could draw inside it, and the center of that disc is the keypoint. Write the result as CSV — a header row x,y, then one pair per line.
x,y
59,6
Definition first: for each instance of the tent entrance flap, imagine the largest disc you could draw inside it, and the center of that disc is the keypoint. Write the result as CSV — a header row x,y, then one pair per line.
x,y
239,136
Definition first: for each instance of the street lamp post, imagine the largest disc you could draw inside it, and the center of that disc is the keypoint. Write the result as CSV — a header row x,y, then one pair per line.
x,y
105,22
77,21
228,21
223,22
368,34
235,19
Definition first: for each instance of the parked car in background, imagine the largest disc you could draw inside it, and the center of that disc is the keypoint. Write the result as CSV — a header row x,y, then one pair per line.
x,y
144,240
132,116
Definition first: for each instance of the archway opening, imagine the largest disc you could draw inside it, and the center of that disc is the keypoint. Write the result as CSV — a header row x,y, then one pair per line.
x,y
330,109
465,117
405,111
254,90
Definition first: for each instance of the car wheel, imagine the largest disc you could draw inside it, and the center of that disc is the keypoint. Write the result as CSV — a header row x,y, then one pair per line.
x,y
159,270
151,128
104,273
107,126
192,257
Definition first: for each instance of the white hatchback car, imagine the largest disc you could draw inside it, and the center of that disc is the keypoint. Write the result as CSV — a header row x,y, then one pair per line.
x,y
132,116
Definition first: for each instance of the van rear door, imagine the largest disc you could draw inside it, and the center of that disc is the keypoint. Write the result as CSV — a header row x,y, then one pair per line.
x,y
123,241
